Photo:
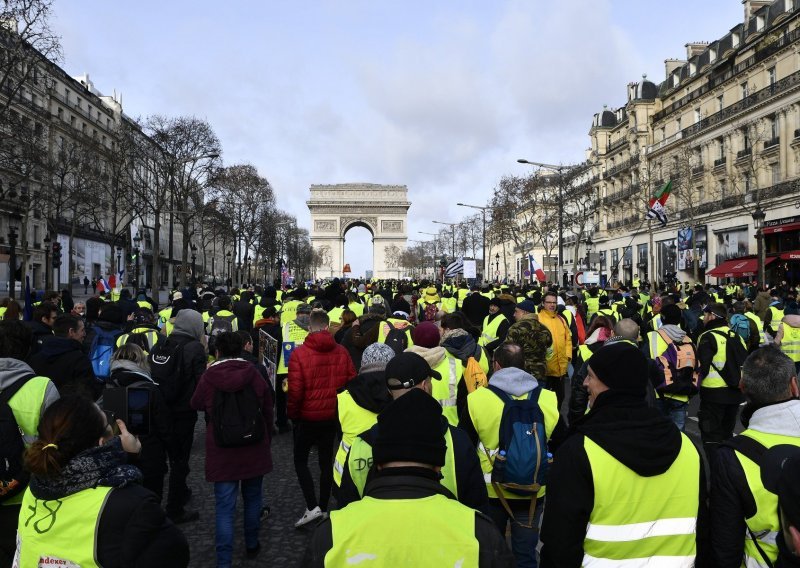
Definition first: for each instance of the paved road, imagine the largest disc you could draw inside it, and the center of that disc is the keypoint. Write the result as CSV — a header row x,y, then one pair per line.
x,y
281,544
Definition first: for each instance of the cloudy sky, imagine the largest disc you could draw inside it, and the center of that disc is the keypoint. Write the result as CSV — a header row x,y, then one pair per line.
x,y
440,96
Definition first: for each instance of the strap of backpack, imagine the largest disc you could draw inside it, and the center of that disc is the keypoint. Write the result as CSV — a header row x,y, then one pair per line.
x,y
13,388
501,394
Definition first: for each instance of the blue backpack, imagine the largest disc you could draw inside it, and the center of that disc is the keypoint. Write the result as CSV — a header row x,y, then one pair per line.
x,y
101,350
741,325
522,461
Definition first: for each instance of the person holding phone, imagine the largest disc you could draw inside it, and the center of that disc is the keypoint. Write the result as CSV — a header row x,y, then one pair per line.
x,y
130,369
84,505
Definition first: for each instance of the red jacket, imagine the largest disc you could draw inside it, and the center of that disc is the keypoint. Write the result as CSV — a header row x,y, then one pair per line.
x,y
317,369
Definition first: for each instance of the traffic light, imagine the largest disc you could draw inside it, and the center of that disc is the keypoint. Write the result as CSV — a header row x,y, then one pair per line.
x,y
56,254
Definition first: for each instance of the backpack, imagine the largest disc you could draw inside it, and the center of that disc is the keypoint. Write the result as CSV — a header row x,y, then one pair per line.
x,y
522,461
103,345
13,477
237,418
166,367
219,324
474,377
679,363
735,354
430,312
397,339
741,324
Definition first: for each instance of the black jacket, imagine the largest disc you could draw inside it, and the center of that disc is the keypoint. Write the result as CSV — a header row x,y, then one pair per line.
x,y
40,333
579,399
63,361
706,349
361,336
469,477
414,483
245,312
475,307
639,437
194,365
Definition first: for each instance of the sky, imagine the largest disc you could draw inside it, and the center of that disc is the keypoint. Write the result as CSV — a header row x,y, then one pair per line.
x,y
442,97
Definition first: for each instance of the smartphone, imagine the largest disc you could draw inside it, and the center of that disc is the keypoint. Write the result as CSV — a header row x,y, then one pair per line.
x,y
138,419
111,418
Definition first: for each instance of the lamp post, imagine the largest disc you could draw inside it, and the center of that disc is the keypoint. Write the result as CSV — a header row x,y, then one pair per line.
x,y
247,264
48,270
136,242
119,259
758,223
12,260
434,251
194,259
453,228
483,239
230,281
497,266
589,244
560,171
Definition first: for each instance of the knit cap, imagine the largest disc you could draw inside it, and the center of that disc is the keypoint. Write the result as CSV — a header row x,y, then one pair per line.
x,y
410,429
426,334
375,357
622,367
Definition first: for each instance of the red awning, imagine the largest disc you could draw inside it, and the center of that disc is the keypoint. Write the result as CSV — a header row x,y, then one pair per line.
x,y
790,255
781,228
738,267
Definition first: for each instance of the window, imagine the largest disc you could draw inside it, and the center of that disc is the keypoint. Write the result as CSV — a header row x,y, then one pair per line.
x,y
745,139
72,121
772,75
678,122
745,90
722,188
773,127
759,23
712,55
776,174
788,5
719,103
721,147
697,115
735,40
78,104
675,79
663,132
60,113
748,183
701,194
692,69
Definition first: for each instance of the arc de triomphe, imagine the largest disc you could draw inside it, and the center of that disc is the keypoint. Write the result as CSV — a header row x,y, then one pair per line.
x,y
381,209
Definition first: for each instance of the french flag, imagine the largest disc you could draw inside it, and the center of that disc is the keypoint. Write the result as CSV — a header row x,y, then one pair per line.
x,y
536,269
102,285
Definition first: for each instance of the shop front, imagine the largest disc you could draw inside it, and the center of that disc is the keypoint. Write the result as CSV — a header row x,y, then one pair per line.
x,y
782,241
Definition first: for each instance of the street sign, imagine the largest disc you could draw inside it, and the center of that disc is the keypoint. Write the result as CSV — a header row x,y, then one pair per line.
x,y
578,278
527,273
591,277
346,269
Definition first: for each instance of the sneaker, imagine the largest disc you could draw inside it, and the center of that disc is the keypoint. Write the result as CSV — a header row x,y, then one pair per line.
x,y
309,516
253,552
184,517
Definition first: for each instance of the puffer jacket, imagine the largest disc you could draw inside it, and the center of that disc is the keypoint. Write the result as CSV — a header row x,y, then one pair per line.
x,y
317,370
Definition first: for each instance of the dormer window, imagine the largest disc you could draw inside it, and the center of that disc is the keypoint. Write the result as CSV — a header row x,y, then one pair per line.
x,y
788,5
735,40
712,55
675,80
760,23
692,69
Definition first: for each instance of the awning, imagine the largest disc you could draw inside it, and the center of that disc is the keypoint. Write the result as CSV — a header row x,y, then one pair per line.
x,y
781,228
790,255
738,267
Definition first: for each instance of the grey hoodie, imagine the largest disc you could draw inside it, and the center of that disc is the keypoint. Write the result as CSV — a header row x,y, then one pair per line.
x,y
674,332
513,381
190,324
782,419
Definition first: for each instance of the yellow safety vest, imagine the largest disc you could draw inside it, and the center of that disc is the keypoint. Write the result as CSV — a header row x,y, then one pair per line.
x,y
385,327
462,295
150,333
714,380
164,322
445,391
592,305
490,329
359,462
777,315
759,325
449,305
354,420
289,311
765,524
335,315
608,312
790,344
144,304
360,534
486,410
293,337
650,519
356,308
60,532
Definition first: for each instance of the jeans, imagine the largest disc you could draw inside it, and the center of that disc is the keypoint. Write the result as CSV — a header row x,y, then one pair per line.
x,y
716,422
323,436
523,540
225,496
675,410
179,449
9,517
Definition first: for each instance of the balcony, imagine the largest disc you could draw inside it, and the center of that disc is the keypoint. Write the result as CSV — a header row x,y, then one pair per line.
x,y
744,153
772,142
720,161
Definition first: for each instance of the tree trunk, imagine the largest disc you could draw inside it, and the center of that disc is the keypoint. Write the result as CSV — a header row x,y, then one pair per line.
x,y
155,276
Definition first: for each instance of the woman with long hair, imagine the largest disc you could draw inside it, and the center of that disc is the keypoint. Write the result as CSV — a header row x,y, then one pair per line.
x,y
602,329
84,505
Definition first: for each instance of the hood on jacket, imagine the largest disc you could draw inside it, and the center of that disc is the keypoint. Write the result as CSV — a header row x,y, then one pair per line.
x,y
54,347
513,381
782,419
231,375
190,324
433,356
792,320
123,366
599,335
321,341
12,370
460,344
674,332
369,390
639,437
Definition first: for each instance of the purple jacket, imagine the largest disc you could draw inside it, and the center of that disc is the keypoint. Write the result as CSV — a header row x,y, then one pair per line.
x,y
245,462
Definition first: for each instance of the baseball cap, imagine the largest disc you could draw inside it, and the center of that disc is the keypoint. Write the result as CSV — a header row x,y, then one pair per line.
x,y
407,370
717,310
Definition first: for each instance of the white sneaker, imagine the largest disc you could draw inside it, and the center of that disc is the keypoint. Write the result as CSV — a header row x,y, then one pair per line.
x,y
309,516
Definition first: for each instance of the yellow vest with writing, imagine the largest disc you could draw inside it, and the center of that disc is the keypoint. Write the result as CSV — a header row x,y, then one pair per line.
x,y
353,419
445,390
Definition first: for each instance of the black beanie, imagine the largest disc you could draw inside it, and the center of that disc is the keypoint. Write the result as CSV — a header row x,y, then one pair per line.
x,y
621,367
671,314
410,429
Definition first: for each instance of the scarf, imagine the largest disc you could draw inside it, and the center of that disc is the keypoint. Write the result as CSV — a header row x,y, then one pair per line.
x,y
101,466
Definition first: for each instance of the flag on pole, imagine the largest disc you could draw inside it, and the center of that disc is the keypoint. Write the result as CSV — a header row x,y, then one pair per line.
x,y
454,268
102,286
112,281
536,269
657,210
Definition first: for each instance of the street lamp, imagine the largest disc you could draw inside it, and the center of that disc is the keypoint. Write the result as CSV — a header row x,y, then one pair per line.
x,y
560,171
589,244
230,281
497,266
758,223
12,260
434,251
119,259
483,214
136,242
194,259
48,270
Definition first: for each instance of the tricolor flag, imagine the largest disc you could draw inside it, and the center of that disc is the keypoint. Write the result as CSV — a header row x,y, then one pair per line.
x,y
536,269
657,210
102,286
454,268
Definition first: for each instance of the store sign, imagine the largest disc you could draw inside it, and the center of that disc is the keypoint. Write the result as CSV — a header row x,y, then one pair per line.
x,y
781,222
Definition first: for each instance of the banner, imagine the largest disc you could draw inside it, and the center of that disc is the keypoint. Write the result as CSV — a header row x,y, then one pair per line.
x,y
470,270
268,354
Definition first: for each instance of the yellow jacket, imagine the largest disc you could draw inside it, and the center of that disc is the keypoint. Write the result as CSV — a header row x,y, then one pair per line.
x,y
562,343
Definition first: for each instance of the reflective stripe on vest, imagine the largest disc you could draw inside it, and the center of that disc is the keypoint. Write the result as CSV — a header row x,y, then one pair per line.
x,y
486,410
765,523
790,344
446,535
61,532
777,316
642,521
446,389
490,329
759,326
354,419
150,334
713,380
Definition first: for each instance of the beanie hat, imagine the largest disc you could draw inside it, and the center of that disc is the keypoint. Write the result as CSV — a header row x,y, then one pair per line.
x,y
496,302
622,367
303,309
527,306
410,429
375,357
671,314
426,334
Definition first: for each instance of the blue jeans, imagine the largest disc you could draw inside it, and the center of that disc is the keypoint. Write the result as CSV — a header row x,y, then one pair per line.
x,y
675,410
523,540
225,495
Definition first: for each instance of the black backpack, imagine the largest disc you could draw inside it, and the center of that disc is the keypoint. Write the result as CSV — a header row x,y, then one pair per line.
x,y
397,339
13,477
237,418
166,368
735,355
